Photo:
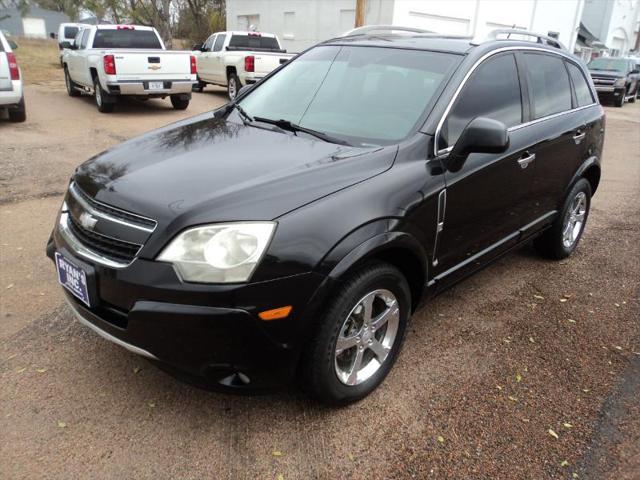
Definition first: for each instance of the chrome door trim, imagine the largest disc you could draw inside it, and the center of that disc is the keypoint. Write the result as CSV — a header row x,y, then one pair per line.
x,y
524,162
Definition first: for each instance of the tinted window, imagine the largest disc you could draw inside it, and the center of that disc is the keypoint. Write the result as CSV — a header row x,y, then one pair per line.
x,y
85,39
548,85
219,41
580,85
493,91
208,43
113,38
364,95
254,41
70,32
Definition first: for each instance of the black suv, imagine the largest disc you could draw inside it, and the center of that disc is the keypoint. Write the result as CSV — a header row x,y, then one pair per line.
x,y
291,234
615,78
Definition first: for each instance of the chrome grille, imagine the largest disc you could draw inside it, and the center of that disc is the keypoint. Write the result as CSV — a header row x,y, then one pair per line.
x,y
102,233
603,80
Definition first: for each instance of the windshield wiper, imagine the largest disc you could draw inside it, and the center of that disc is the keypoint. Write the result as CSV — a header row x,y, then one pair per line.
x,y
292,127
246,118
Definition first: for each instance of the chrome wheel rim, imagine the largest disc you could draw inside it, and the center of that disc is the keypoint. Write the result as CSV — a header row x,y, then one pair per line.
x,y
98,95
574,220
366,337
232,88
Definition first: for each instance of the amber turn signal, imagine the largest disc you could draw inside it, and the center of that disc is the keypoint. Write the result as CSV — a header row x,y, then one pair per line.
x,y
276,313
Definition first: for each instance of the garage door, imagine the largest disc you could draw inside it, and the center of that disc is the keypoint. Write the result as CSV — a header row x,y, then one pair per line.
x,y
34,27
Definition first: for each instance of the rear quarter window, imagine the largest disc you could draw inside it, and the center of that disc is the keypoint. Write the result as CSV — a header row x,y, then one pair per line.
x,y
580,85
549,86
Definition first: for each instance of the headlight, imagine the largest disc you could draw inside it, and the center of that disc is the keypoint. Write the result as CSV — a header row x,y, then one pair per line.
x,y
222,253
620,82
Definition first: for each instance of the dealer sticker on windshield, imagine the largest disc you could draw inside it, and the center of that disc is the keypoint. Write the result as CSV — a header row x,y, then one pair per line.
x,y
72,278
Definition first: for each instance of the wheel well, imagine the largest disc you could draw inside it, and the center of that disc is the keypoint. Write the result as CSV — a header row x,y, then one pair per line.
x,y
230,70
411,267
592,174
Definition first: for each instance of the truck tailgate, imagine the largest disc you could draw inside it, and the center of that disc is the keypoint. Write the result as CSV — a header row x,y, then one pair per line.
x,y
5,75
266,62
152,65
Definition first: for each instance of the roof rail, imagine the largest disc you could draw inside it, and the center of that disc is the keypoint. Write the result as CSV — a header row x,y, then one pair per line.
x,y
382,29
543,39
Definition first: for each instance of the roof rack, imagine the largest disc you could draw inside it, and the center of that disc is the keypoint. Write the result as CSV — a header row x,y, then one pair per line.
x,y
382,29
542,39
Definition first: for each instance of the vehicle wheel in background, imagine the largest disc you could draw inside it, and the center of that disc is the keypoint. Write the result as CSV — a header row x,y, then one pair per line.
x,y
72,89
233,86
359,336
561,239
179,103
198,87
619,102
635,94
103,100
18,114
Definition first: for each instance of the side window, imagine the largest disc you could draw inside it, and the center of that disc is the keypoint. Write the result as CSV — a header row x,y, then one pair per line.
x,y
580,85
78,39
493,91
548,84
85,39
219,42
209,43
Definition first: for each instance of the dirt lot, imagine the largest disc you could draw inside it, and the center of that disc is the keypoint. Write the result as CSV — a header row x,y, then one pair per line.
x,y
530,369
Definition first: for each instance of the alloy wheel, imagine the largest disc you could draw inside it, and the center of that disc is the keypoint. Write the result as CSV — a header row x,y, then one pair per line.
x,y
366,337
574,220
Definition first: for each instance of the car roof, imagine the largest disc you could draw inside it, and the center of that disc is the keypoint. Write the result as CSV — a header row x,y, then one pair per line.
x,y
461,45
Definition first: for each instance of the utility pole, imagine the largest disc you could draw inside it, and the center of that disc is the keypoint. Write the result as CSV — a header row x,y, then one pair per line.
x,y
360,5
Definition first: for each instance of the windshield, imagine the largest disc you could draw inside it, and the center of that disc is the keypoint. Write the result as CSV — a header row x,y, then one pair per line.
x,y
126,38
613,64
364,95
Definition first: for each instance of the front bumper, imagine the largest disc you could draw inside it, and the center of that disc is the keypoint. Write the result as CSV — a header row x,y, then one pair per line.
x,y
209,335
610,90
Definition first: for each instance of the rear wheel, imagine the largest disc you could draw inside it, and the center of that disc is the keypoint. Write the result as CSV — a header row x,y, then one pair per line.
x,y
358,337
179,103
18,114
72,88
103,100
198,87
619,102
562,238
233,86
635,94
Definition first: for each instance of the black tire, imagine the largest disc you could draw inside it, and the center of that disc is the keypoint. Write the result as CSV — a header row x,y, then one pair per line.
x,y
619,102
635,94
198,87
178,103
233,86
18,114
318,375
72,88
551,243
103,100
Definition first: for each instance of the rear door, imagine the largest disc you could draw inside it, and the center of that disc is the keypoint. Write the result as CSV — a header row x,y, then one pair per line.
x,y
488,200
557,127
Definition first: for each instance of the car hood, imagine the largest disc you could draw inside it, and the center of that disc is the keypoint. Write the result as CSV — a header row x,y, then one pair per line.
x,y
206,169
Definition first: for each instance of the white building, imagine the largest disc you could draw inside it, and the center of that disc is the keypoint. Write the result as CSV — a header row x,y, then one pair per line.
x,y
302,23
614,23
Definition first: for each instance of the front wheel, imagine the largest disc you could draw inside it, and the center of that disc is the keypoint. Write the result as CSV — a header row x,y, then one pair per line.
x,y
359,336
103,102
72,88
562,238
233,86
619,102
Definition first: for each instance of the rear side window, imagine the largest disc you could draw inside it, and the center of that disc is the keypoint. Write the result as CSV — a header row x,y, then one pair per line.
x,y
254,41
112,38
219,42
548,85
580,85
70,32
493,91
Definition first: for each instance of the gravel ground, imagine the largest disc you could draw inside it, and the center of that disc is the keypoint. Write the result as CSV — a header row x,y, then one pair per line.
x,y
529,369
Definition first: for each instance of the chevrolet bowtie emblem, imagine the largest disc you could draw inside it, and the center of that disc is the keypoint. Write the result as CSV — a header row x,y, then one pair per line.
x,y
154,67
88,221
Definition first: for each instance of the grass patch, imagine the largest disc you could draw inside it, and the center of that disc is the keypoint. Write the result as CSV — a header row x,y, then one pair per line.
x,y
38,60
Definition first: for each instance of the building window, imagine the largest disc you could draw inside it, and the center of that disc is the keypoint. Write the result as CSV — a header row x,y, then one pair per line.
x,y
245,22
289,25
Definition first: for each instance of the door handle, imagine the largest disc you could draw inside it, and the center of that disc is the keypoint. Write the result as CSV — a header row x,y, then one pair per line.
x,y
578,137
525,161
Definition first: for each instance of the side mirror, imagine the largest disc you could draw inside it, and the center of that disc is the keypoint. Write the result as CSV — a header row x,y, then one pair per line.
x,y
73,45
65,44
481,135
12,44
634,72
198,47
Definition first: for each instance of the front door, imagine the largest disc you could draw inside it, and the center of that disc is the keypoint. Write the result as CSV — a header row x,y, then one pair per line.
x,y
205,60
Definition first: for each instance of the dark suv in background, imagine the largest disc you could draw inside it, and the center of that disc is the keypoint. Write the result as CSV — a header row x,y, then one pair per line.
x,y
616,79
291,234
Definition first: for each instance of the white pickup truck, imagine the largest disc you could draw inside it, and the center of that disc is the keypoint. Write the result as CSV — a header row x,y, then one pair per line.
x,y
115,60
11,96
235,59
